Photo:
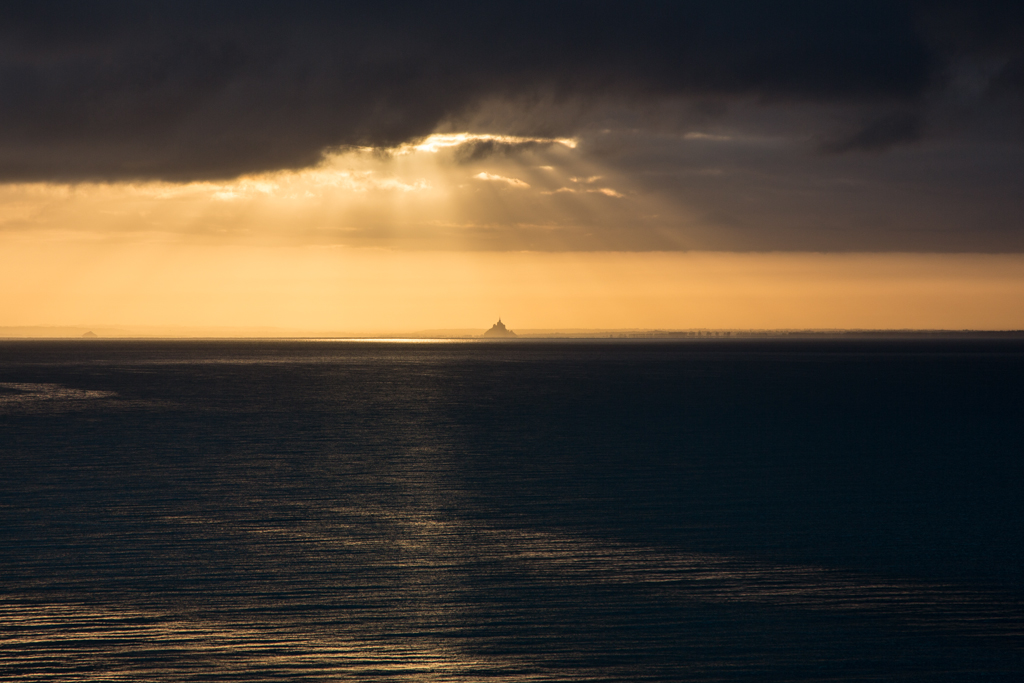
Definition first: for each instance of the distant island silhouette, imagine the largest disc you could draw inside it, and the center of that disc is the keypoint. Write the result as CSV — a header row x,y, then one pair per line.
x,y
499,330
89,335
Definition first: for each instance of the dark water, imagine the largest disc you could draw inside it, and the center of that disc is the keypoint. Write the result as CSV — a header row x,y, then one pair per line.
x,y
706,511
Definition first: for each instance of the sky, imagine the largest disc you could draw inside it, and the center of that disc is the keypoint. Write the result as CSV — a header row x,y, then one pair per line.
x,y
315,166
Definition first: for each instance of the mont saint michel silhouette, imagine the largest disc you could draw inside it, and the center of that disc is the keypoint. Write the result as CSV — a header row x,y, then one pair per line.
x,y
499,330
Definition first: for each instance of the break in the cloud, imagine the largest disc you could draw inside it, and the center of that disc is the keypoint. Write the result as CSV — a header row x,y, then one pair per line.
x,y
625,191
427,195
721,124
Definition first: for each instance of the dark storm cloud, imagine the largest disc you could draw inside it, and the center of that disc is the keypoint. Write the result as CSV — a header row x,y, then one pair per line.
x,y
761,194
881,133
183,90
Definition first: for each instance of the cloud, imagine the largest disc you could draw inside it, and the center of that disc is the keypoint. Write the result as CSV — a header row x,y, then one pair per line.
x,y
881,134
514,182
462,141
653,192
468,148
694,135
606,191
187,90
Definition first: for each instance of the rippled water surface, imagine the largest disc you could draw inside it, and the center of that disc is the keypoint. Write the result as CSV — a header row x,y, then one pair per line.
x,y
549,511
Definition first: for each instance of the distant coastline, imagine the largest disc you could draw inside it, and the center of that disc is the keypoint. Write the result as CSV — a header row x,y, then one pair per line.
x,y
129,332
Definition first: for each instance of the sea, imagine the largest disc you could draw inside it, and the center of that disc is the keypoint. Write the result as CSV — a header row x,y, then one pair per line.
x,y
834,509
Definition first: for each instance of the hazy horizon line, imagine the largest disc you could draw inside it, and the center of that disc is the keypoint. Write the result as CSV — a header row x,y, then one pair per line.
x,y
140,332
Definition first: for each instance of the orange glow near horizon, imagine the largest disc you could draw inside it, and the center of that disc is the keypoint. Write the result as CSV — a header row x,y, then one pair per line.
x,y
157,289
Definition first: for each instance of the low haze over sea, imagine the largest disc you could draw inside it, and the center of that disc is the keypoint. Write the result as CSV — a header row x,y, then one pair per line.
x,y
541,510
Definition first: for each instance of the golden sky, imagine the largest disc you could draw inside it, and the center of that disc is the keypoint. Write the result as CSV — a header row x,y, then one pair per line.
x,y
427,237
